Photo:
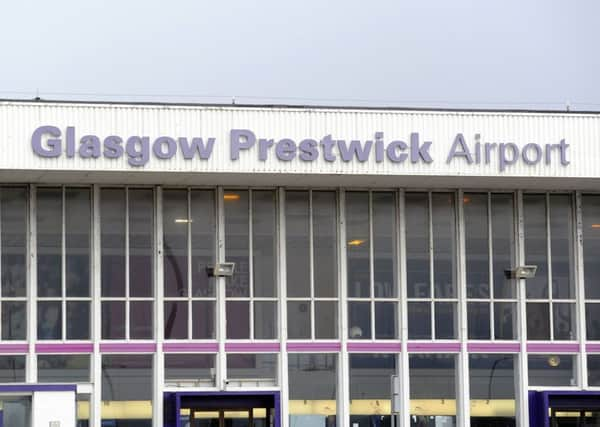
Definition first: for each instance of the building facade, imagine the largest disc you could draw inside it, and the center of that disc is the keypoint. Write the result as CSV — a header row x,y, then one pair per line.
x,y
381,265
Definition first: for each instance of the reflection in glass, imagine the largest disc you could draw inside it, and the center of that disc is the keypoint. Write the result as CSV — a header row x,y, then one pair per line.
x,y
203,320
419,320
547,370
237,241
189,367
78,224
593,370
504,320
503,244
357,236
49,320
386,320
141,224
297,226
476,245
326,316
63,368
14,320
78,320
432,389
478,320
112,241
417,245
534,206
203,230
252,366
113,320
591,246
444,244
561,233
538,321
49,242
592,321
324,208
12,369
265,320
563,321
264,223
140,319
369,389
238,319
312,389
445,320
298,319
176,320
13,211
175,242
492,387
384,244
359,320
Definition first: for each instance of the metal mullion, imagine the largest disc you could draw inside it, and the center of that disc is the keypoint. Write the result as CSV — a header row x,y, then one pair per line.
x,y
311,257
549,266
96,308
127,314
431,272
250,264
343,372
282,311
63,265
189,263
158,305
371,266
31,365
580,291
220,308
403,365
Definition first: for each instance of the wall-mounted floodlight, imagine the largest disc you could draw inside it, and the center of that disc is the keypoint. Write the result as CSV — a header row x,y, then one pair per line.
x,y
522,272
222,269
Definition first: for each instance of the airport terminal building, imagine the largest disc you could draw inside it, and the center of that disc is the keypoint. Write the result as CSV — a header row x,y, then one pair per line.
x,y
252,266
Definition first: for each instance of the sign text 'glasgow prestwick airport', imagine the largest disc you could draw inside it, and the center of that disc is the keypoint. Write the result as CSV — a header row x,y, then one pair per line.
x,y
49,141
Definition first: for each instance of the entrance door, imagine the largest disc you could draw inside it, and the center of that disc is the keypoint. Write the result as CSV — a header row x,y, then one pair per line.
x,y
564,408
222,409
568,417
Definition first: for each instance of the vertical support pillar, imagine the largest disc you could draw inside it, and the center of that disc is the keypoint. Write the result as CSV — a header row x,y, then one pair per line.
x,y
521,380
463,408
582,378
31,366
221,367
96,366
282,272
403,365
343,395
159,375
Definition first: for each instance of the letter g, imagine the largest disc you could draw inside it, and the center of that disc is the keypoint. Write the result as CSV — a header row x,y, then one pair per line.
x,y
54,145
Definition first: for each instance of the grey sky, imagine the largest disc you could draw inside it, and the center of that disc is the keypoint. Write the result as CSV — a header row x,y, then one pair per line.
x,y
460,53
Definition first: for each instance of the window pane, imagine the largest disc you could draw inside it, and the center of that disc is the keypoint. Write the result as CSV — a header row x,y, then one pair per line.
x,y
140,319
536,253
386,320
312,389
141,224
444,243
491,379
13,211
252,366
49,241
503,244
189,367
593,367
419,320
591,245
357,237
78,320
538,321
175,242
505,320
370,388
112,240
12,369
49,320
203,320
237,242
433,385
326,325
297,243
113,320
476,245
417,245
298,313
561,232
64,368
564,321
14,320
324,209
238,319
128,378
265,320
445,320
203,241
592,321
176,320
78,224
384,244
551,370
359,320
264,232
478,316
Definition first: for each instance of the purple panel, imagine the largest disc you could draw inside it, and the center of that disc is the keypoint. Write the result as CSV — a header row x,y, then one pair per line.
x,y
493,347
452,347
128,347
392,347
202,347
14,348
65,348
553,347
592,348
28,388
253,347
314,346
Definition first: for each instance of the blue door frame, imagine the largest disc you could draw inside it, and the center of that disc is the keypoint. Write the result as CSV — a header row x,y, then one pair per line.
x,y
541,401
173,402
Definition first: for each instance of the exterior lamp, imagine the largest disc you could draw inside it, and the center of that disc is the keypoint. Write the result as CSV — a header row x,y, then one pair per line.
x,y
521,272
222,269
